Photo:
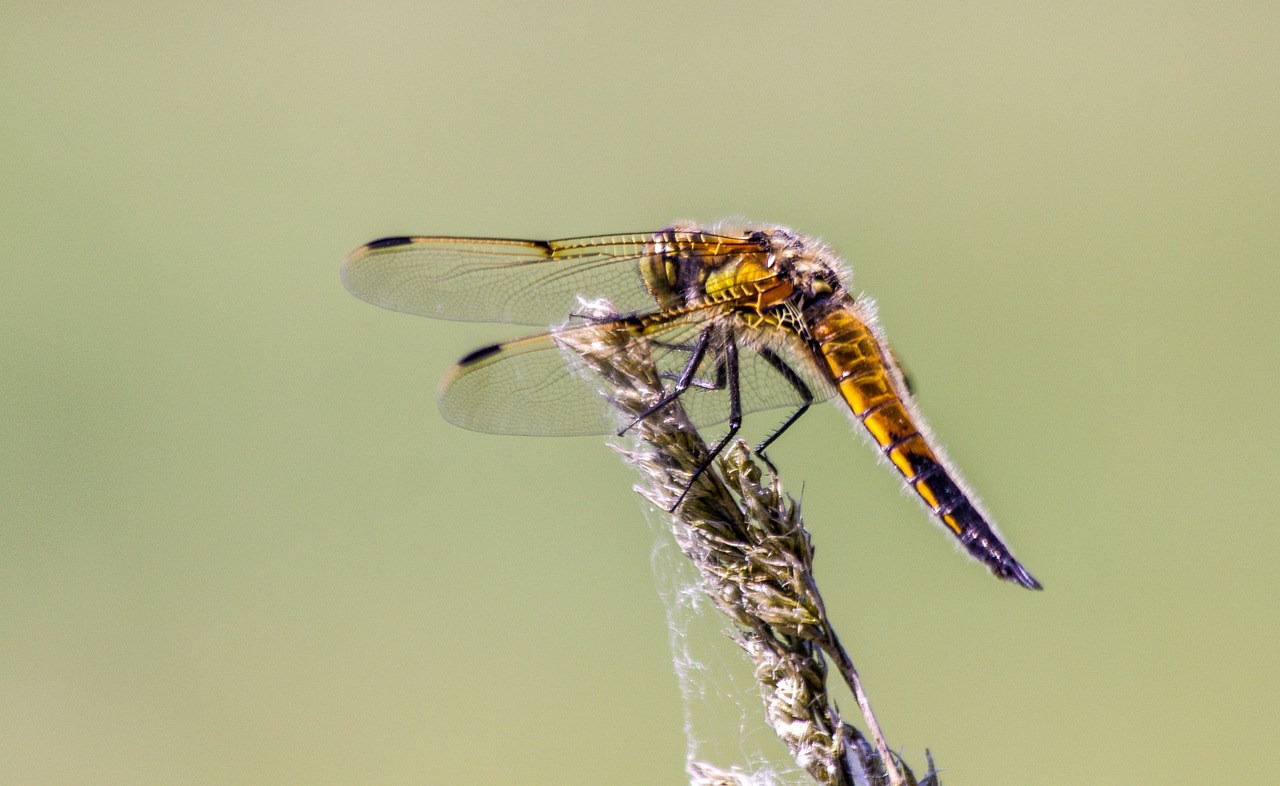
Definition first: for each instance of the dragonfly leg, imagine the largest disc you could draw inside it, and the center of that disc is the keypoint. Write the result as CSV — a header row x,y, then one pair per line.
x,y
729,363
702,384
683,346
906,375
696,354
806,399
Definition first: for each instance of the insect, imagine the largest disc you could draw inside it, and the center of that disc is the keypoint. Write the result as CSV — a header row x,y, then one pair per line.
x,y
743,318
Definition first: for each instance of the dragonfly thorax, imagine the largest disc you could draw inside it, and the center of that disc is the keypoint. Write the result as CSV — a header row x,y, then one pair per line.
x,y
687,265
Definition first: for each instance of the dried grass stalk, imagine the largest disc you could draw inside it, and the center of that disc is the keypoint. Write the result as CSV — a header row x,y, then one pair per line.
x,y
755,560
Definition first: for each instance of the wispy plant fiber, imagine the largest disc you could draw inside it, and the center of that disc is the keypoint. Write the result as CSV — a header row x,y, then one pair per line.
x,y
753,554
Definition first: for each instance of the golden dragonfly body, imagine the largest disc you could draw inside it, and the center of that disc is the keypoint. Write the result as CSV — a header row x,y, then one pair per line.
x,y
699,295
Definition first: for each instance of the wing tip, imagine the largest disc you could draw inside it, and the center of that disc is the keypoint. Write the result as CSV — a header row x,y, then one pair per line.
x,y
352,266
477,355
376,245
387,242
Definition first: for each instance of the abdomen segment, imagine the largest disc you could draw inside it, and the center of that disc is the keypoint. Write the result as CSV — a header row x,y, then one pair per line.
x,y
876,394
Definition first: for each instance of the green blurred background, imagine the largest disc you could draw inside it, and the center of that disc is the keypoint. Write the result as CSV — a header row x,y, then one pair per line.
x,y
238,545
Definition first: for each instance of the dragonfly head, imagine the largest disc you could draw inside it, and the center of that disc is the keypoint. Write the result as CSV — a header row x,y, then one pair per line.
x,y
809,264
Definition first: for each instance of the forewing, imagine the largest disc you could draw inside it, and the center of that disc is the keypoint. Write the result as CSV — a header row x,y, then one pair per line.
x,y
531,282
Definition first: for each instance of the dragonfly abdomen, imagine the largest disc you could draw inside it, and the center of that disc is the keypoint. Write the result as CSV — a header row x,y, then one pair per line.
x,y
876,394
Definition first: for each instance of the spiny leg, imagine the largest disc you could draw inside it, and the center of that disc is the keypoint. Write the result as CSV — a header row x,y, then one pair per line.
x,y
800,386
696,354
907,379
702,384
729,361
685,346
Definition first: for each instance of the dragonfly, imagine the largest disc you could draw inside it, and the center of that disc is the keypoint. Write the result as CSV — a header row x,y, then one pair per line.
x,y
742,318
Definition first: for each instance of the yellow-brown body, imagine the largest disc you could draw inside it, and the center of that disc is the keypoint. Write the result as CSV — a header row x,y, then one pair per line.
x,y
705,291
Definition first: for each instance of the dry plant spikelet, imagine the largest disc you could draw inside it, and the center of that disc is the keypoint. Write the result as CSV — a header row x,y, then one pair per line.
x,y
755,560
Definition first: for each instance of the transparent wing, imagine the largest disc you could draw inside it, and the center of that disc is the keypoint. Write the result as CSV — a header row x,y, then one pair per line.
x,y
531,282
528,386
